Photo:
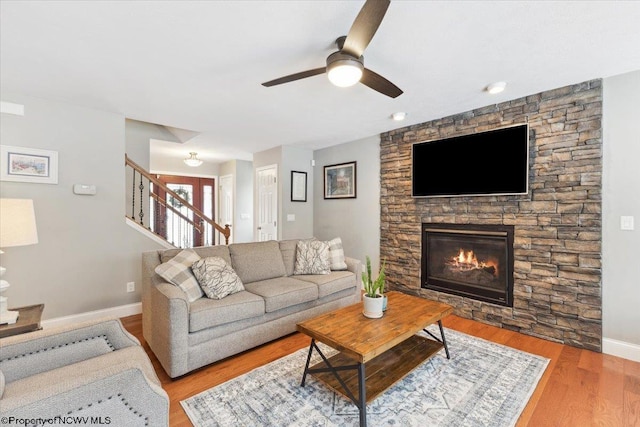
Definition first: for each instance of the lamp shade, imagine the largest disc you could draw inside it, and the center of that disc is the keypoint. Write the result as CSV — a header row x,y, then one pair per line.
x,y
17,223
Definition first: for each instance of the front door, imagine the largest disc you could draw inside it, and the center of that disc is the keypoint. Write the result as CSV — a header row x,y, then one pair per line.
x,y
173,223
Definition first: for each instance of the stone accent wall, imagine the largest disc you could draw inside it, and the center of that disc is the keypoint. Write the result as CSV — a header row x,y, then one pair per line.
x,y
557,242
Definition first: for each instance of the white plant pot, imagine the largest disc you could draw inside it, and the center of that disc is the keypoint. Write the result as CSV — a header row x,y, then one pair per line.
x,y
372,307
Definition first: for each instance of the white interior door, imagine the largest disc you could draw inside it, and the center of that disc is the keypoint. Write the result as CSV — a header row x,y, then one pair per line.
x,y
226,203
267,225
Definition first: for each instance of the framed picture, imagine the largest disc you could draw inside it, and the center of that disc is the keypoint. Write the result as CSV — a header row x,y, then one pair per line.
x,y
340,181
298,186
21,164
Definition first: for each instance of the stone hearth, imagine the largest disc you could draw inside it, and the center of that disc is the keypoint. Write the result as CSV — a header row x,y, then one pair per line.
x,y
557,226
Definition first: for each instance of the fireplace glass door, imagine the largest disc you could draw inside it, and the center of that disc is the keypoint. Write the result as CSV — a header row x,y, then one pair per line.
x,y
474,261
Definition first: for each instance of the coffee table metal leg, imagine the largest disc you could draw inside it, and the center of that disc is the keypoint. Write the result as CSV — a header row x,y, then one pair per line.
x,y
442,340
362,394
306,367
361,402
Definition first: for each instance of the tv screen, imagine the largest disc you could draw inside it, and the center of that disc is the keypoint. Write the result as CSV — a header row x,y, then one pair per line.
x,y
481,164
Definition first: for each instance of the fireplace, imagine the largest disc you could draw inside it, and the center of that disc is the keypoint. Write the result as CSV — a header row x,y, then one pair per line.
x,y
470,260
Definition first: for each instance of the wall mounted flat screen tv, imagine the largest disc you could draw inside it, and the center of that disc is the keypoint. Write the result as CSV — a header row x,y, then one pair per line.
x,y
495,162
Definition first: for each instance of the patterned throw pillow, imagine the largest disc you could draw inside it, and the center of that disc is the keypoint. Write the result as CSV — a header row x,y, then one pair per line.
x,y
336,254
312,257
178,272
216,277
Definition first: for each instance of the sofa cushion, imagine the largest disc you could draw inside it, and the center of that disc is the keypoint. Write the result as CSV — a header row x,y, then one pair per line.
x,y
216,278
288,250
203,251
257,261
312,257
330,283
206,313
283,292
178,272
336,254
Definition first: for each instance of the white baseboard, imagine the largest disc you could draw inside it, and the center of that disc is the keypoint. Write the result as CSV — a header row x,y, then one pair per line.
x,y
121,311
621,349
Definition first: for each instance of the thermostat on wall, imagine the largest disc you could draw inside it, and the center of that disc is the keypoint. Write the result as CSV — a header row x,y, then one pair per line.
x,y
86,190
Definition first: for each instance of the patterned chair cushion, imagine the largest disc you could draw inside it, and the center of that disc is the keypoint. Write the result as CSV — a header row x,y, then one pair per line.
x,y
336,254
217,279
178,272
312,257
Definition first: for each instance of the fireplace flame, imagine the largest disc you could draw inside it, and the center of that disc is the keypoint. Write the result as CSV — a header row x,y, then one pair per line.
x,y
467,260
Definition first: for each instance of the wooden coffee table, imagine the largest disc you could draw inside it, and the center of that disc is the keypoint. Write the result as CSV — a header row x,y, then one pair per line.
x,y
384,350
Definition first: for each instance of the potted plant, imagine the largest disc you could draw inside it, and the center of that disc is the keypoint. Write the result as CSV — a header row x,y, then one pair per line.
x,y
373,292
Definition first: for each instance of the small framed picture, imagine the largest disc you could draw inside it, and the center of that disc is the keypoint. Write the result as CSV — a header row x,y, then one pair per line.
x,y
340,181
21,164
298,186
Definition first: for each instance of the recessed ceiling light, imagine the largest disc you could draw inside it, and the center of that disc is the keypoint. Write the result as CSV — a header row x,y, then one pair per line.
x,y
496,87
399,116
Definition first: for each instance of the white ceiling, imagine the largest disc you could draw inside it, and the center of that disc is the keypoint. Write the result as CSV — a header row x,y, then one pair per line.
x,y
198,65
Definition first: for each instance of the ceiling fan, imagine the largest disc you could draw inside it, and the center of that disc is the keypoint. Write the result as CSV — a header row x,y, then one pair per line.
x,y
346,66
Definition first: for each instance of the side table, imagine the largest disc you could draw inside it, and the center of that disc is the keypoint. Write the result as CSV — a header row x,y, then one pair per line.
x,y
28,321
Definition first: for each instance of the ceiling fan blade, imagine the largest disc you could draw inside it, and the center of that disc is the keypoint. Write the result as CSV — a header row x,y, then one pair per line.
x,y
380,84
365,26
294,77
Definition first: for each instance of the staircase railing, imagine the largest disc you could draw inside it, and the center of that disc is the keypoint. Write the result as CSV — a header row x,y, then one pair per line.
x,y
189,224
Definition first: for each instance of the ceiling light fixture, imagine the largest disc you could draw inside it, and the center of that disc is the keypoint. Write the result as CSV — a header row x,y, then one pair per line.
x,y
399,116
496,87
344,70
193,160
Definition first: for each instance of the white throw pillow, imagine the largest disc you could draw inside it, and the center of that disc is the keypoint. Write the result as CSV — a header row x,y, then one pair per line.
x,y
312,257
177,271
336,254
217,279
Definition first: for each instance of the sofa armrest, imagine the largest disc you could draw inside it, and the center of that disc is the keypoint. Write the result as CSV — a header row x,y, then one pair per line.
x,y
170,328
29,354
121,387
355,266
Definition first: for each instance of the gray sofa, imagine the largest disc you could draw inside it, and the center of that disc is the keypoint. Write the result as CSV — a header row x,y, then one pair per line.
x,y
185,336
94,369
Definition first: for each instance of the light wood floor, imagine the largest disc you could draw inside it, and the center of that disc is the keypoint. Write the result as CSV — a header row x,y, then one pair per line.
x,y
579,387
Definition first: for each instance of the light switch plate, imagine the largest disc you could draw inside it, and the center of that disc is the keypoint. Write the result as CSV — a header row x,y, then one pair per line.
x,y
291,217
626,223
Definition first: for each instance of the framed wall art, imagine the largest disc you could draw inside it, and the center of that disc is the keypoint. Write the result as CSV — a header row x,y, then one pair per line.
x,y
298,186
21,164
340,181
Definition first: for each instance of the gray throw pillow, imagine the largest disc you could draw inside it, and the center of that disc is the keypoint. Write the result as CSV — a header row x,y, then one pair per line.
x,y
216,277
336,254
178,272
312,257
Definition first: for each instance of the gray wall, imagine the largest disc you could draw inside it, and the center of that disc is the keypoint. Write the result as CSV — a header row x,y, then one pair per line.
x,y
296,159
355,221
621,196
86,253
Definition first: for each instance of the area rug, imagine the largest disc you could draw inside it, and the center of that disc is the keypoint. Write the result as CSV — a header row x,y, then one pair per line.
x,y
483,384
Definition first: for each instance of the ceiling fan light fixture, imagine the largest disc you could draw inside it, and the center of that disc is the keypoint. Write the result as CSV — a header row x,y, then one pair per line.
x,y
496,87
193,160
344,70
